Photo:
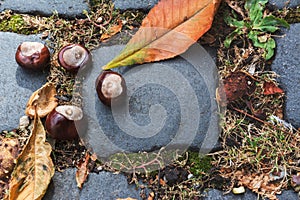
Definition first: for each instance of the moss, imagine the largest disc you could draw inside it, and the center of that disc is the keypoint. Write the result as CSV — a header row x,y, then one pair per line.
x,y
15,23
199,165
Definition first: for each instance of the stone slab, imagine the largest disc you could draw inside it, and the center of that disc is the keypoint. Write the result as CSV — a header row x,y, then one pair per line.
x,y
104,186
286,65
213,194
16,83
285,3
134,4
171,104
65,8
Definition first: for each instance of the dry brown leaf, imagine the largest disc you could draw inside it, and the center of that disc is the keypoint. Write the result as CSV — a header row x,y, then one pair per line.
x,y
271,88
34,168
235,86
168,30
43,99
113,30
82,171
261,184
9,150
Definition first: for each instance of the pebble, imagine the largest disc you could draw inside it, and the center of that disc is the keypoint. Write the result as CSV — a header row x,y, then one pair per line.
x,y
24,121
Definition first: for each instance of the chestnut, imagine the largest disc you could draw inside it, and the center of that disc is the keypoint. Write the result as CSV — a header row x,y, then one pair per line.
x,y
60,122
32,55
73,57
110,86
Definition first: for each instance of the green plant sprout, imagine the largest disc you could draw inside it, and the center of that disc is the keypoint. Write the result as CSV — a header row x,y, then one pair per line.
x,y
257,26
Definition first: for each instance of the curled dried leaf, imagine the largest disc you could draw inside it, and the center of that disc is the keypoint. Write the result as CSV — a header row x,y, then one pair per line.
x,y
43,99
82,171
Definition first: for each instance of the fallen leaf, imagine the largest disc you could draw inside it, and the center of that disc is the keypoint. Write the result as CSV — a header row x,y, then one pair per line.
x,y
270,88
43,99
260,183
235,86
168,30
9,150
82,171
113,30
34,168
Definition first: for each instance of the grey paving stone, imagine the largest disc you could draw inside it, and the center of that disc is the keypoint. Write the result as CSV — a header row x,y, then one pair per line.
x,y
285,3
171,105
214,194
286,65
16,83
102,186
134,4
65,8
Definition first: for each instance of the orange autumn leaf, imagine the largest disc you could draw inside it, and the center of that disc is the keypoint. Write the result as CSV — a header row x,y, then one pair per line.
x,y
113,30
169,29
82,171
270,88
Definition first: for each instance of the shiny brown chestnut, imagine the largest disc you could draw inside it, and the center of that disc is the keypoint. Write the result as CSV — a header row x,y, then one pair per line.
x,y
73,57
32,55
110,87
60,122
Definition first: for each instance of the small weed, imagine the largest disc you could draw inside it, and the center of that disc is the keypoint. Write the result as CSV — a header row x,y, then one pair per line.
x,y
257,26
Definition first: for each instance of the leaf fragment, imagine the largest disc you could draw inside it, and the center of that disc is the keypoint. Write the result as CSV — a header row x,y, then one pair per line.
x,y
82,171
169,29
34,168
43,100
270,88
112,31
235,86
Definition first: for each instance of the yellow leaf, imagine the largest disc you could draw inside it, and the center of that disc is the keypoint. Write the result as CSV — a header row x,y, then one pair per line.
x,y
34,168
43,100
169,29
